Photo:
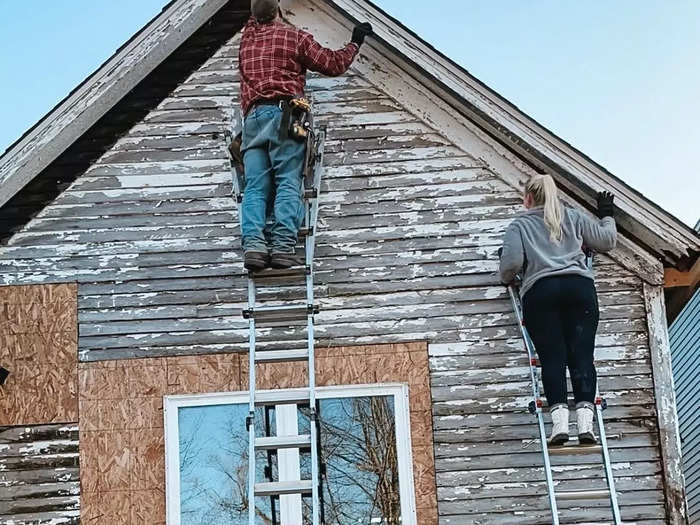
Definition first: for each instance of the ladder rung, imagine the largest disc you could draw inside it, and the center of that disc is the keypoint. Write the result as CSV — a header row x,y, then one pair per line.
x,y
572,404
305,232
280,313
574,450
295,396
279,488
281,356
570,495
280,442
310,193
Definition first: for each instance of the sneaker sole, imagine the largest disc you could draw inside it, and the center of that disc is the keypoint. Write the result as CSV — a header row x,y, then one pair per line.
x,y
587,438
558,440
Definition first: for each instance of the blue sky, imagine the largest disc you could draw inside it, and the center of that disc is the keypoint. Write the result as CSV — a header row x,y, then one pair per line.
x,y
618,80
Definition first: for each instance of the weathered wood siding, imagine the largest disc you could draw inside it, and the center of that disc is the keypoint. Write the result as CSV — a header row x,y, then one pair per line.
x,y
685,348
488,459
39,475
410,225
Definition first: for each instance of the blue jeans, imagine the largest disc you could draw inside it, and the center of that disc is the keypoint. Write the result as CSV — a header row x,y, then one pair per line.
x,y
273,183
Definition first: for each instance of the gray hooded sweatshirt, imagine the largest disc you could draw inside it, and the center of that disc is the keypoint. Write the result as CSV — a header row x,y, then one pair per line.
x,y
528,251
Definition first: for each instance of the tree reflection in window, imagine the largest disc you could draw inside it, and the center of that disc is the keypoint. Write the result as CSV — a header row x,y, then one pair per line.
x,y
358,448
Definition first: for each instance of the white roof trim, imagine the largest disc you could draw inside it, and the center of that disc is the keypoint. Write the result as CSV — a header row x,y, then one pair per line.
x,y
100,92
659,230
460,92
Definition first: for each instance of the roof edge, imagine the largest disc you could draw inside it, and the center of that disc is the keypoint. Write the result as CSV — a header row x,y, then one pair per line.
x,y
663,233
86,104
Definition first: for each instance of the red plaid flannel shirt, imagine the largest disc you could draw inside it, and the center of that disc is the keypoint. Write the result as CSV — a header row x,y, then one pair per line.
x,y
273,59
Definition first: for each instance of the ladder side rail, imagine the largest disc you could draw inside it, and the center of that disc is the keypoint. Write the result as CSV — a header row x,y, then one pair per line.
x,y
311,216
315,438
314,206
614,504
529,346
251,408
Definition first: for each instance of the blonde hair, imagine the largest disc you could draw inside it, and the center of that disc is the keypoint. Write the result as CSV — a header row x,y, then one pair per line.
x,y
544,193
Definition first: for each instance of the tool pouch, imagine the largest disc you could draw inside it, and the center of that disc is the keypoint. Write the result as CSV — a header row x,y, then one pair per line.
x,y
296,119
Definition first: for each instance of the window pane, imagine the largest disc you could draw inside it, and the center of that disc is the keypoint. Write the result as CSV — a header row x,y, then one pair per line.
x,y
361,485
358,449
214,466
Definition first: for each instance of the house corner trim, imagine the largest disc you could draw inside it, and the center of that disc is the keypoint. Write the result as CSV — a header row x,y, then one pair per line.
x,y
664,393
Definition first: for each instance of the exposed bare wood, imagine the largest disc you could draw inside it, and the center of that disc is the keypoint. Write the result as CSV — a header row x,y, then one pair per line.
x,y
674,278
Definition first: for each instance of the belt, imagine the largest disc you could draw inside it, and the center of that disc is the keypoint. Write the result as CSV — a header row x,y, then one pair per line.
x,y
279,102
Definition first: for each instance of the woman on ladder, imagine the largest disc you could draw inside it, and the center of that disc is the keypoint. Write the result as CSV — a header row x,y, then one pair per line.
x,y
560,308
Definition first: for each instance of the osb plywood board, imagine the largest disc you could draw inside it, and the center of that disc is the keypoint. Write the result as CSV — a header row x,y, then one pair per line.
x,y
122,449
38,344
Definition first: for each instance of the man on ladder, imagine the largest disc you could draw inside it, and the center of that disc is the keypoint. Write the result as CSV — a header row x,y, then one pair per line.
x,y
273,60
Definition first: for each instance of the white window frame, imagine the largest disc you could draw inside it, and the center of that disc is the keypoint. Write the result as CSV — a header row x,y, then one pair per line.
x,y
399,392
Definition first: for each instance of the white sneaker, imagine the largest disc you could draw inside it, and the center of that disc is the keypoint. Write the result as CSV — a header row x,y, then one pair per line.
x,y
584,421
560,425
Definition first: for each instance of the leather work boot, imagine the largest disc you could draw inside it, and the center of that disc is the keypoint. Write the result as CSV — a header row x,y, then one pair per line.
x,y
560,425
283,261
584,421
255,261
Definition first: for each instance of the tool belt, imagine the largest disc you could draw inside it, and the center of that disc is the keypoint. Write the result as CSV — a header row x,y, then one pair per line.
x,y
296,119
296,123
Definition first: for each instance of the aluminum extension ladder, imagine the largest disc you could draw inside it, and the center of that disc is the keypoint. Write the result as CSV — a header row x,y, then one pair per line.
x,y
536,407
281,316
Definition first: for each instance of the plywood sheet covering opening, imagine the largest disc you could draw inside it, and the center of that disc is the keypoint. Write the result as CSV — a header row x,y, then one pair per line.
x,y
39,472
121,418
38,344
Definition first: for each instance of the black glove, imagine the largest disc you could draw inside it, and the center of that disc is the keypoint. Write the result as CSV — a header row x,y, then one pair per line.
x,y
360,32
605,204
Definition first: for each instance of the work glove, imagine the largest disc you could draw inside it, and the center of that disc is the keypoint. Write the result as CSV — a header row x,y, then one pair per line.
x,y
360,32
605,204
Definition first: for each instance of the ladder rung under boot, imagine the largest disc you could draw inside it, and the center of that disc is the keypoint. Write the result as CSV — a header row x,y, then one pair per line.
x,y
297,396
570,495
574,450
280,442
570,403
281,356
280,313
280,488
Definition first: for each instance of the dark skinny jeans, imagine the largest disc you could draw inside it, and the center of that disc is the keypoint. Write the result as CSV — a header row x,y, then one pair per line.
x,y
561,316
